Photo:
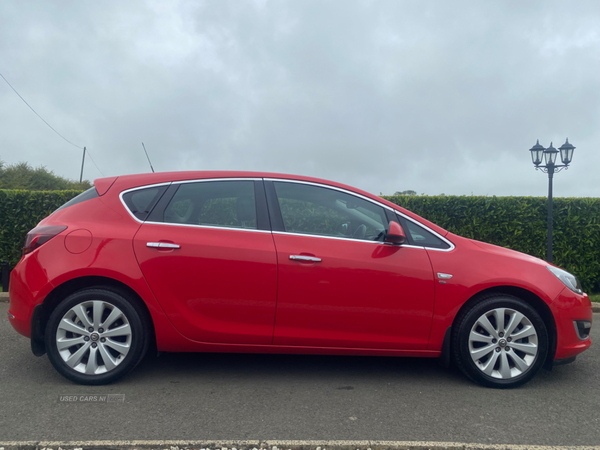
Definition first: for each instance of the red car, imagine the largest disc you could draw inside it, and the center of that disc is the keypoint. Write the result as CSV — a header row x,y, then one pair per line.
x,y
260,262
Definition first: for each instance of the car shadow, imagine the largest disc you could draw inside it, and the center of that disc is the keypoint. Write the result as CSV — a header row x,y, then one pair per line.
x,y
304,367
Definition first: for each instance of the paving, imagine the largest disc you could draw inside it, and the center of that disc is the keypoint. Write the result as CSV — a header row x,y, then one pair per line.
x,y
206,400
270,445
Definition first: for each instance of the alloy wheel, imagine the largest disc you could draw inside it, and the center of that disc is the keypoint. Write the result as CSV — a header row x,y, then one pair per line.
x,y
503,343
93,337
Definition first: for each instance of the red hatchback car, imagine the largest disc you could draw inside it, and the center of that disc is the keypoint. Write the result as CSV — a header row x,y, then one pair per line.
x,y
261,262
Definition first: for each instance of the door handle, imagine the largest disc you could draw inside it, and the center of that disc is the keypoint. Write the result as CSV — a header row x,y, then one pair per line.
x,y
161,245
304,258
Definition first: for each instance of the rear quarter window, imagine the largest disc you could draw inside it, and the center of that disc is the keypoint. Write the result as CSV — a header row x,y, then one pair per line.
x,y
141,201
84,196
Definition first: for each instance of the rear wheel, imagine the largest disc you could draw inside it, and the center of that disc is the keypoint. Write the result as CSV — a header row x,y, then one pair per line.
x,y
95,336
500,342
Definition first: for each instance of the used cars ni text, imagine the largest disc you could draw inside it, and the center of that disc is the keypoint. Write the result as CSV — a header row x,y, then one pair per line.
x,y
271,263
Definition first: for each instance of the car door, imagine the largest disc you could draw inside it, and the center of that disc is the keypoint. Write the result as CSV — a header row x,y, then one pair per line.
x,y
339,284
208,255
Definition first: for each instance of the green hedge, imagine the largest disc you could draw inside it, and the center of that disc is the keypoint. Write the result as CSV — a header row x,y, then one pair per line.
x,y
514,222
20,211
520,223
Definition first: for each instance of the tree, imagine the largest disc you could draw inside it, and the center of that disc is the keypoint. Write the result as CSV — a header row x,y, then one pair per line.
x,y
409,192
23,176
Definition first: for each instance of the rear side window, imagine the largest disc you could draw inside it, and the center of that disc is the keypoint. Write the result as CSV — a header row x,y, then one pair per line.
x,y
87,195
230,204
141,201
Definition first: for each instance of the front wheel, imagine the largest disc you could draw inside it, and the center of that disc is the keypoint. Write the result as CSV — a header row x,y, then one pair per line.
x,y
95,336
500,342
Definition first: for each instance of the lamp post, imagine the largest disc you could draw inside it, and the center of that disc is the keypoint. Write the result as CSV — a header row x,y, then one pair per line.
x,y
548,155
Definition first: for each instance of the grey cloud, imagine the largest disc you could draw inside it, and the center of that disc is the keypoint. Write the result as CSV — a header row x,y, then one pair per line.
x,y
385,95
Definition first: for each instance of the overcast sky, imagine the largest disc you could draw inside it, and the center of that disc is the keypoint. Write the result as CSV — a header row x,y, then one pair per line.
x,y
432,96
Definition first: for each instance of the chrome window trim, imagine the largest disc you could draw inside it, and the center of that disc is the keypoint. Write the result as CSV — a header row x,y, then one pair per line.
x,y
202,180
452,246
322,236
212,227
395,211
168,183
286,180
137,188
345,191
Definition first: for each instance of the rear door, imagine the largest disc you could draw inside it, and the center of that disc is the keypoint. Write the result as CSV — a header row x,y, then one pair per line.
x,y
208,255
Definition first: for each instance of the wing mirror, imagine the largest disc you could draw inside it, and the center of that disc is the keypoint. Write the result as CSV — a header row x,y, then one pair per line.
x,y
395,234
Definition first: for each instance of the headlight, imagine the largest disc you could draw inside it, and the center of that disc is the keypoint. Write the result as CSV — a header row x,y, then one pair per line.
x,y
569,280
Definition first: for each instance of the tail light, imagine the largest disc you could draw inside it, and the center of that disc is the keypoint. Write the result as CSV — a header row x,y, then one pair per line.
x,y
40,235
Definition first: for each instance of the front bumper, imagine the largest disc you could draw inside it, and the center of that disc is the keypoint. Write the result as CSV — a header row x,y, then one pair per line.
x,y
568,309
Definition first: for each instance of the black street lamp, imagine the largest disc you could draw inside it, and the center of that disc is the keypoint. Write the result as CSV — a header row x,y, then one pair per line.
x,y
548,156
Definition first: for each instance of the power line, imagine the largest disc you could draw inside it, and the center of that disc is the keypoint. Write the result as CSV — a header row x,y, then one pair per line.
x,y
51,127
25,101
90,155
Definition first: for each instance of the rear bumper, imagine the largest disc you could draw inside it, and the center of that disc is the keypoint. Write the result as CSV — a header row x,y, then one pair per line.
x,y
568,308
19,310
26,293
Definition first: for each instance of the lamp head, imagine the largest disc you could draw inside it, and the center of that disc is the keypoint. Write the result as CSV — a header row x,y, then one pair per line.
x,y
537,152
566,152
550,155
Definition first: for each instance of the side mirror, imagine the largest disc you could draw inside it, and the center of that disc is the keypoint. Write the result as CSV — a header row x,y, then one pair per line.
x,y
395,234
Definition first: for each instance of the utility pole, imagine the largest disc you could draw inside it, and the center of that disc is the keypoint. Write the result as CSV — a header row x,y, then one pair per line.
x,y
82,162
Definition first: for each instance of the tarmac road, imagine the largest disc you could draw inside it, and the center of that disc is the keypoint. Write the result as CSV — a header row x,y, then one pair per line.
x,y
266,397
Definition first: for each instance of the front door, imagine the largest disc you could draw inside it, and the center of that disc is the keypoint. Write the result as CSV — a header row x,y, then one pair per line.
x,y
339,284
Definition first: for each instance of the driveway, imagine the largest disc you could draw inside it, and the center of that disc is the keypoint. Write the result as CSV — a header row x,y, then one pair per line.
x,y
270,397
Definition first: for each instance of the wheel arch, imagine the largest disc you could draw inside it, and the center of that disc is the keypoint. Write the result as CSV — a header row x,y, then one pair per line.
x,y
527,296
62,291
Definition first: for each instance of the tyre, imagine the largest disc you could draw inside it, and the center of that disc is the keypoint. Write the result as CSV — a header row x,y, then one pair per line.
x,y
500,342
95,336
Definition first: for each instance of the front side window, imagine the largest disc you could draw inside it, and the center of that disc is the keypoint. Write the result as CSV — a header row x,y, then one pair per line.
x,y
214,203
308,209
421,237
